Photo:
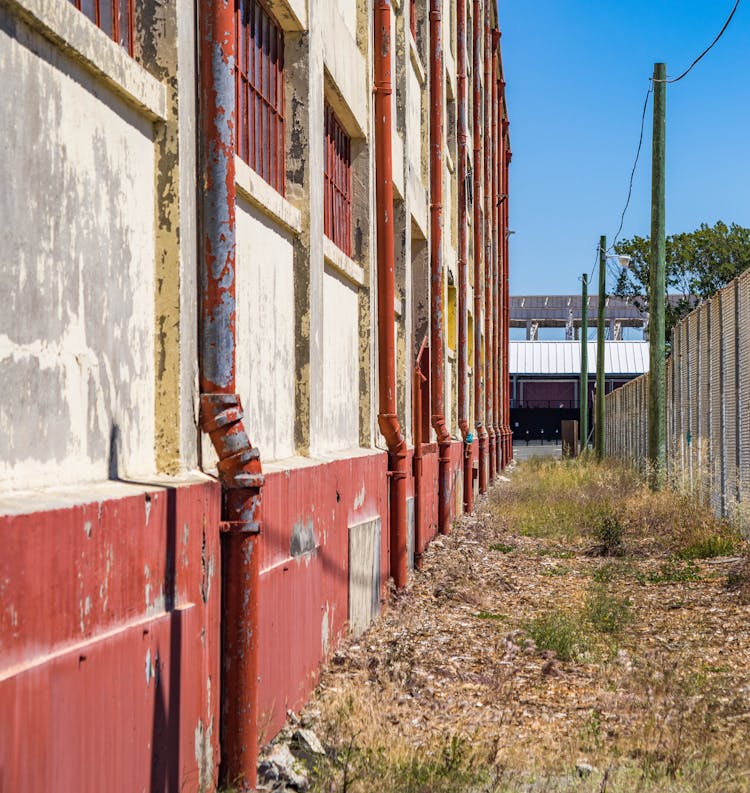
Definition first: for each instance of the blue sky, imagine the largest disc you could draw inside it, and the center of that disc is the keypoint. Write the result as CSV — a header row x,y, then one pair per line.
x,y
577,73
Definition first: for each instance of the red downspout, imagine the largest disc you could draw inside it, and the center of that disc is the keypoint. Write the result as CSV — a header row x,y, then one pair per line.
x,y
387,418
489,292
477,166
463,269
419,534
436,264
506,277
221,412
497,334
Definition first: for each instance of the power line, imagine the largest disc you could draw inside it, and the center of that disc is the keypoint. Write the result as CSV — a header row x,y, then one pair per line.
x,y
707,50
632,172
643,126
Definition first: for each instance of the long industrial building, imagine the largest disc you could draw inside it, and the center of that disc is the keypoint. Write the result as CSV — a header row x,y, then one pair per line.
x,y
254,356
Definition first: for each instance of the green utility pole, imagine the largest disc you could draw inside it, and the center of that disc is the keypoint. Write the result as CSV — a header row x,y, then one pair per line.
x,y
657,450
584,386
599,415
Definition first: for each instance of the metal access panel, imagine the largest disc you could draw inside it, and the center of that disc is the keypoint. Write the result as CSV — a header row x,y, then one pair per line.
x,y
410,532
364,574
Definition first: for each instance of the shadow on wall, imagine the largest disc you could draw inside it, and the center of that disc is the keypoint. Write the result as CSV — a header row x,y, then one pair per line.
x,y
165,731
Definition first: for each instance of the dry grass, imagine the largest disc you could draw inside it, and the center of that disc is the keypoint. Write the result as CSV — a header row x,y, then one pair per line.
x,y
503,667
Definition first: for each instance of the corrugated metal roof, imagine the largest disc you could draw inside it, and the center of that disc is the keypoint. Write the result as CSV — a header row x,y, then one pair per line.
x,y
564,357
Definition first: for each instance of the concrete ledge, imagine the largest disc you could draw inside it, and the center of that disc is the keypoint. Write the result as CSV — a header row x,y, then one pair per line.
x,y
417,198
60,22
26,502
449,161
346,73
290,14
450,73
260,194
340,262
398,165
416,61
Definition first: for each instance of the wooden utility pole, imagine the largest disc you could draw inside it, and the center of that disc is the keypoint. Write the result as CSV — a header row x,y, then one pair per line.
x,y
584,386
599,414
657,450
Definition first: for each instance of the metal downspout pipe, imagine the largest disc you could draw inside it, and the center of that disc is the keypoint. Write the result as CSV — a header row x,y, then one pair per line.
x,y
506,158
420,540
221,413
463,269
437,317
496,260
489,292
477,192
387,417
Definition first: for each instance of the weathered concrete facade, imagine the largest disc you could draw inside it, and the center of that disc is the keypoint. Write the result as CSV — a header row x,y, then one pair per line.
x,y
110,506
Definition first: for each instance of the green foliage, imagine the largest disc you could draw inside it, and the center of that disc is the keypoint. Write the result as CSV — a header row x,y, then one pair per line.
x,y
709,547
699,263
450,766
491,615
611,571
607,529
671,572
501,547
606,612
558,569
557,631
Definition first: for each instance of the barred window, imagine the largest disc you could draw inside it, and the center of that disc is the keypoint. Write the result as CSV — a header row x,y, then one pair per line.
x,y
259,87
337,220
115,17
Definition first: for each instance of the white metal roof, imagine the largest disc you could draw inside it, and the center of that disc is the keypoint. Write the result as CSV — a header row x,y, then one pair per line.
x,y
564,357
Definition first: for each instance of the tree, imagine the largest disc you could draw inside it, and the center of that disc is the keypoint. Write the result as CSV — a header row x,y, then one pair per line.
x,y
699,263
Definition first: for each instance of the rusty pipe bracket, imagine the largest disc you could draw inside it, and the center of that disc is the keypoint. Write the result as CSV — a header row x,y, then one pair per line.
x,y
221,417
238,527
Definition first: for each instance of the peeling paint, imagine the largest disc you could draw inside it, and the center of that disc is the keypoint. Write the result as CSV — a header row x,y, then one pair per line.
x,y
359,499
204,755
303,539
325,630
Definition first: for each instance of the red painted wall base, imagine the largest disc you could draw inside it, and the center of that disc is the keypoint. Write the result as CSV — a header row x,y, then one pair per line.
x,y
109,643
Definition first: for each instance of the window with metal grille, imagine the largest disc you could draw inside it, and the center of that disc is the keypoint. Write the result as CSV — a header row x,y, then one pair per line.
x,y
115,17
259,87
337,215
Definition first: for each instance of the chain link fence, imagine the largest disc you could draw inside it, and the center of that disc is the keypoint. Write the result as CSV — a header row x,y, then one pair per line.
x,y
708,403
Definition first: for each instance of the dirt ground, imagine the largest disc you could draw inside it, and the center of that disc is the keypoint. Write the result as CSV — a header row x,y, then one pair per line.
x,y
526,656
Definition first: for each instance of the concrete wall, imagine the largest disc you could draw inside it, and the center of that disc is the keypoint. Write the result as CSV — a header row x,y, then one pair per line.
x,y
265,324
98,352
77,224
341,363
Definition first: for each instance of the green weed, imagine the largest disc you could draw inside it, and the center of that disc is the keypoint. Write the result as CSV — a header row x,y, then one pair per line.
x,y
501,547
606,612
710,547
558,631
671,572
491,615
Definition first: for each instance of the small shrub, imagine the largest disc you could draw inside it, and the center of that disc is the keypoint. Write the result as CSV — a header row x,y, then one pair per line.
x,y
606,612
607,530
557,631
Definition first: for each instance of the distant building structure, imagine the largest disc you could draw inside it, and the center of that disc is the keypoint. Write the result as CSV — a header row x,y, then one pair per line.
x,y
545,381
564,311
